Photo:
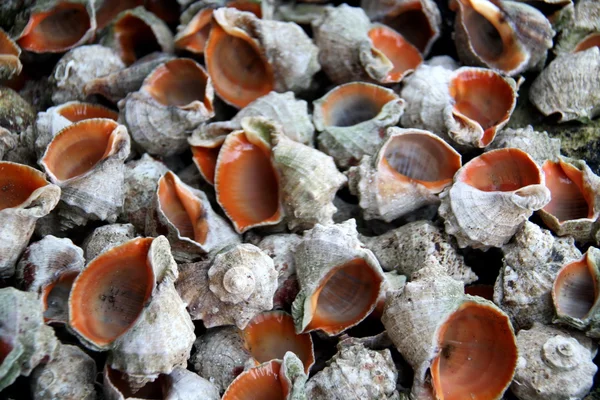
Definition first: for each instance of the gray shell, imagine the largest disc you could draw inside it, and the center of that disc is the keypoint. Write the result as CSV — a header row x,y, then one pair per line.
x,y
10,65
586,20
105,238
8,142
537,144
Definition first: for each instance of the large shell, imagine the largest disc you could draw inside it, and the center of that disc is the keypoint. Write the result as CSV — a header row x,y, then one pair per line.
x,y
10,65
27,196
340,281
16,114
408,172
26,340
281,55
508,36
352,119
538,145
492,196
553,364
105,238
584,25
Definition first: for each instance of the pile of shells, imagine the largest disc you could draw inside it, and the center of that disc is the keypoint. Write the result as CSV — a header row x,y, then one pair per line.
x,y
261,199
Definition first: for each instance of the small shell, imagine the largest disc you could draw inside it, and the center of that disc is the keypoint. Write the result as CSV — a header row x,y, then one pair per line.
x,y
70,375
239,38
585,22
538,145
78,67
408,171
26,341
507,36
179,96
8,142
105,238
16,114
492,196
190,223
340,281
352,120
10,65
27,196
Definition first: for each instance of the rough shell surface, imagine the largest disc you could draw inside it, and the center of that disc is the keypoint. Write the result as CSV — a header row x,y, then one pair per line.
x,y
539,145
105,238
10,65
16,114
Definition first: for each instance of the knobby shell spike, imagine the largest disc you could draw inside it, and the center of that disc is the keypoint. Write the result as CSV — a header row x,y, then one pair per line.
x,y
508,36
105,238
10,65
190,223
26,197
340,281
491,197
553,364
179,96
26,340
352,118
537,144
263,44
408,171
575,204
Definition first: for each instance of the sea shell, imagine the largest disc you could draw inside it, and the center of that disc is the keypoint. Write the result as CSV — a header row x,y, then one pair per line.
x,y
137,32
524,285
408,171
578,72
553,364
538,145
406,249
437,328
10,65
265,46
419,21
585,24
492,196
78,67
237,285
82,159
26,340
27,196
16,114
507,36
70,375
178,95
352,119
560,13
354,373
575,204
105,238
340,281
186,217
8,142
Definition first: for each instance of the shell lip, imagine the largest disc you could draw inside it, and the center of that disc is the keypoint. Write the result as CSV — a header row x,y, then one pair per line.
x,y
193,37
36,177
591,40
403,56
67,277
205,159
76,111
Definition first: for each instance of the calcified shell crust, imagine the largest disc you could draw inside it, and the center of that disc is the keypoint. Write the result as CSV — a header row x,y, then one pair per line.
x,y
538,145
408,171
10,65
8,142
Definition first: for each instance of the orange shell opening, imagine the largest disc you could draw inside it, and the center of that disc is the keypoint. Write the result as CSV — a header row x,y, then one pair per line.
x,y
410,21
178,83
55,297
135,38
570,200
482,96
111,8
246,183
17,183
502,170
478,354
205,159
195,35
270,335
109,295
263,382
575,290
588,42
7,47
55,30
421,159
182,208
237,67
353,103
346,296
79,147
404,56
76,112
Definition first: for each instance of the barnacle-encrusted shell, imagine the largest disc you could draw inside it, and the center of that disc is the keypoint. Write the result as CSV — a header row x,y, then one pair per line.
x,y
105,238
553,364
10,65
492,196
26,340
538,145
70,375
78,67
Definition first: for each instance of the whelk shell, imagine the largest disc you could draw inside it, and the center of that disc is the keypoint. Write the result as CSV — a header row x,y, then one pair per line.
x,y
10,65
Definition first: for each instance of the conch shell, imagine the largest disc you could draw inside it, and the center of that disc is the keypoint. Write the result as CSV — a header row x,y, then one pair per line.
x,y
10,65
492,196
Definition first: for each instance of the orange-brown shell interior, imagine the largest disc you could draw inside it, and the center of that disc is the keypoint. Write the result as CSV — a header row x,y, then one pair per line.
x,y
110,294
109,9
17,183
262,382
246,182
79,147
403,55
55,296
347,294
182,209
501,170
575,290
570,198
135,38
7,46
196,32
76,112
409,19
270,335
478,354
205,159
481,290
167,10
238,69
482,96
592,40
55,30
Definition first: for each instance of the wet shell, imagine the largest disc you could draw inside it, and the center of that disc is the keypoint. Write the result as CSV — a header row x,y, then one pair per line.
x,y
27,196
538,145
352,118
105,238
10,65
408,171
492,196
